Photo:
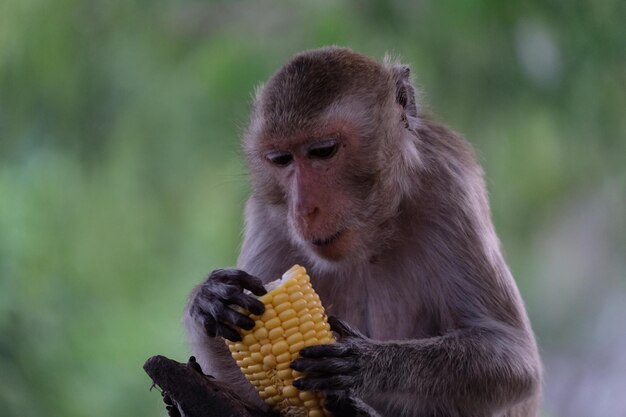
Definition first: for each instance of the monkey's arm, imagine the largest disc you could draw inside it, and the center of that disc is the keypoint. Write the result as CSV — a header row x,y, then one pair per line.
x,y
215,358
264,256
477,369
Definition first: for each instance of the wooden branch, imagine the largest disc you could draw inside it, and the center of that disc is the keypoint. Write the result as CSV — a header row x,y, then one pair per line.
x,y
189,391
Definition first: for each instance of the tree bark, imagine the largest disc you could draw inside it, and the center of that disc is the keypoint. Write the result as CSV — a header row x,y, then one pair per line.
x,y
190,393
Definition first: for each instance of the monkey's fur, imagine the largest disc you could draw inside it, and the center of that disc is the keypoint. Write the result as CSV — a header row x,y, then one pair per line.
x,y
442,330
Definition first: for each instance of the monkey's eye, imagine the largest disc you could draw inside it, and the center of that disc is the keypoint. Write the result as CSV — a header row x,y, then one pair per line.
x,y
323,150
280,158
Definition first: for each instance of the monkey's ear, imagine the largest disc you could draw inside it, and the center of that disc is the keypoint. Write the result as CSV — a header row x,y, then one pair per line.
x,y
405,94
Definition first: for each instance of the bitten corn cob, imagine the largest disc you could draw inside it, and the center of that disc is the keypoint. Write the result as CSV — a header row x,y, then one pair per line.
x,y
294,318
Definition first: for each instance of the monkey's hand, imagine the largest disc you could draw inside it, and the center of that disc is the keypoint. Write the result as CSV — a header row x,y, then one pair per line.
x,y
214,303
343,365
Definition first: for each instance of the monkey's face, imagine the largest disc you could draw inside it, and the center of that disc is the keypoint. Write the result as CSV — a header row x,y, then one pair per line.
x,y
316,147
314,177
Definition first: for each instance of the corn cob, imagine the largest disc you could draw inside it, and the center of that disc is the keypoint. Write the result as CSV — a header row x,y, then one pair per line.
x,y
293,319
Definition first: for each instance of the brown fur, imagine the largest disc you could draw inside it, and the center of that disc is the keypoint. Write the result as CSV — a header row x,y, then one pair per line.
x,y
423,275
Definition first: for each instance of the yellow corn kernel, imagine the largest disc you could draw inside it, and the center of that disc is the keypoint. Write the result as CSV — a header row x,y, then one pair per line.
x,y
290,332
250,340
295,296
316,412
280,347
306,395
294,338
239,347
269,361
307,325
272,323
261,333
283,357
279,299
269,314
293,318
311,341
276,333
294,322
284,374
266,349
298,305
257,367
296,347
317,318
283,307
287,314
320,325
290,391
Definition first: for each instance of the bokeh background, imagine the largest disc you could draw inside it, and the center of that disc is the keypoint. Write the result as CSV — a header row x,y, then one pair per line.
x,y
121,182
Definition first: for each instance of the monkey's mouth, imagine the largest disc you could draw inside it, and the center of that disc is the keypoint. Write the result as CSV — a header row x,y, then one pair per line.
x,y
328,240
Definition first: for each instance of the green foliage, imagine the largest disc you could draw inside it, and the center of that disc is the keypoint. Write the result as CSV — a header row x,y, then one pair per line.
x,y
121,183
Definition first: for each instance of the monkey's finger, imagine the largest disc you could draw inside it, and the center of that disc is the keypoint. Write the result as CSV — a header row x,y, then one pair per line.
x,y
235,277
335,382
228,332
210,326
248,302
332,366
235,318
251,283
342,328
212,291
223,276
325,351
239,278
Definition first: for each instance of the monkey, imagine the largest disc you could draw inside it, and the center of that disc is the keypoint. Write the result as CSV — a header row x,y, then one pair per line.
x,y
352,177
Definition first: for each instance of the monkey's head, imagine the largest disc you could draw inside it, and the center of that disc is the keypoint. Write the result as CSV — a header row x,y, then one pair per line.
x,y
330,140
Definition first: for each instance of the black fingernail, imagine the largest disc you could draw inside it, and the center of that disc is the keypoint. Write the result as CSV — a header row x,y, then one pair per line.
x,y
234,338
246,324
257,309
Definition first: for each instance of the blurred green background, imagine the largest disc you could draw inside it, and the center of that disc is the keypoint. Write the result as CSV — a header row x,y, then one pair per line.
x,y
121,182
